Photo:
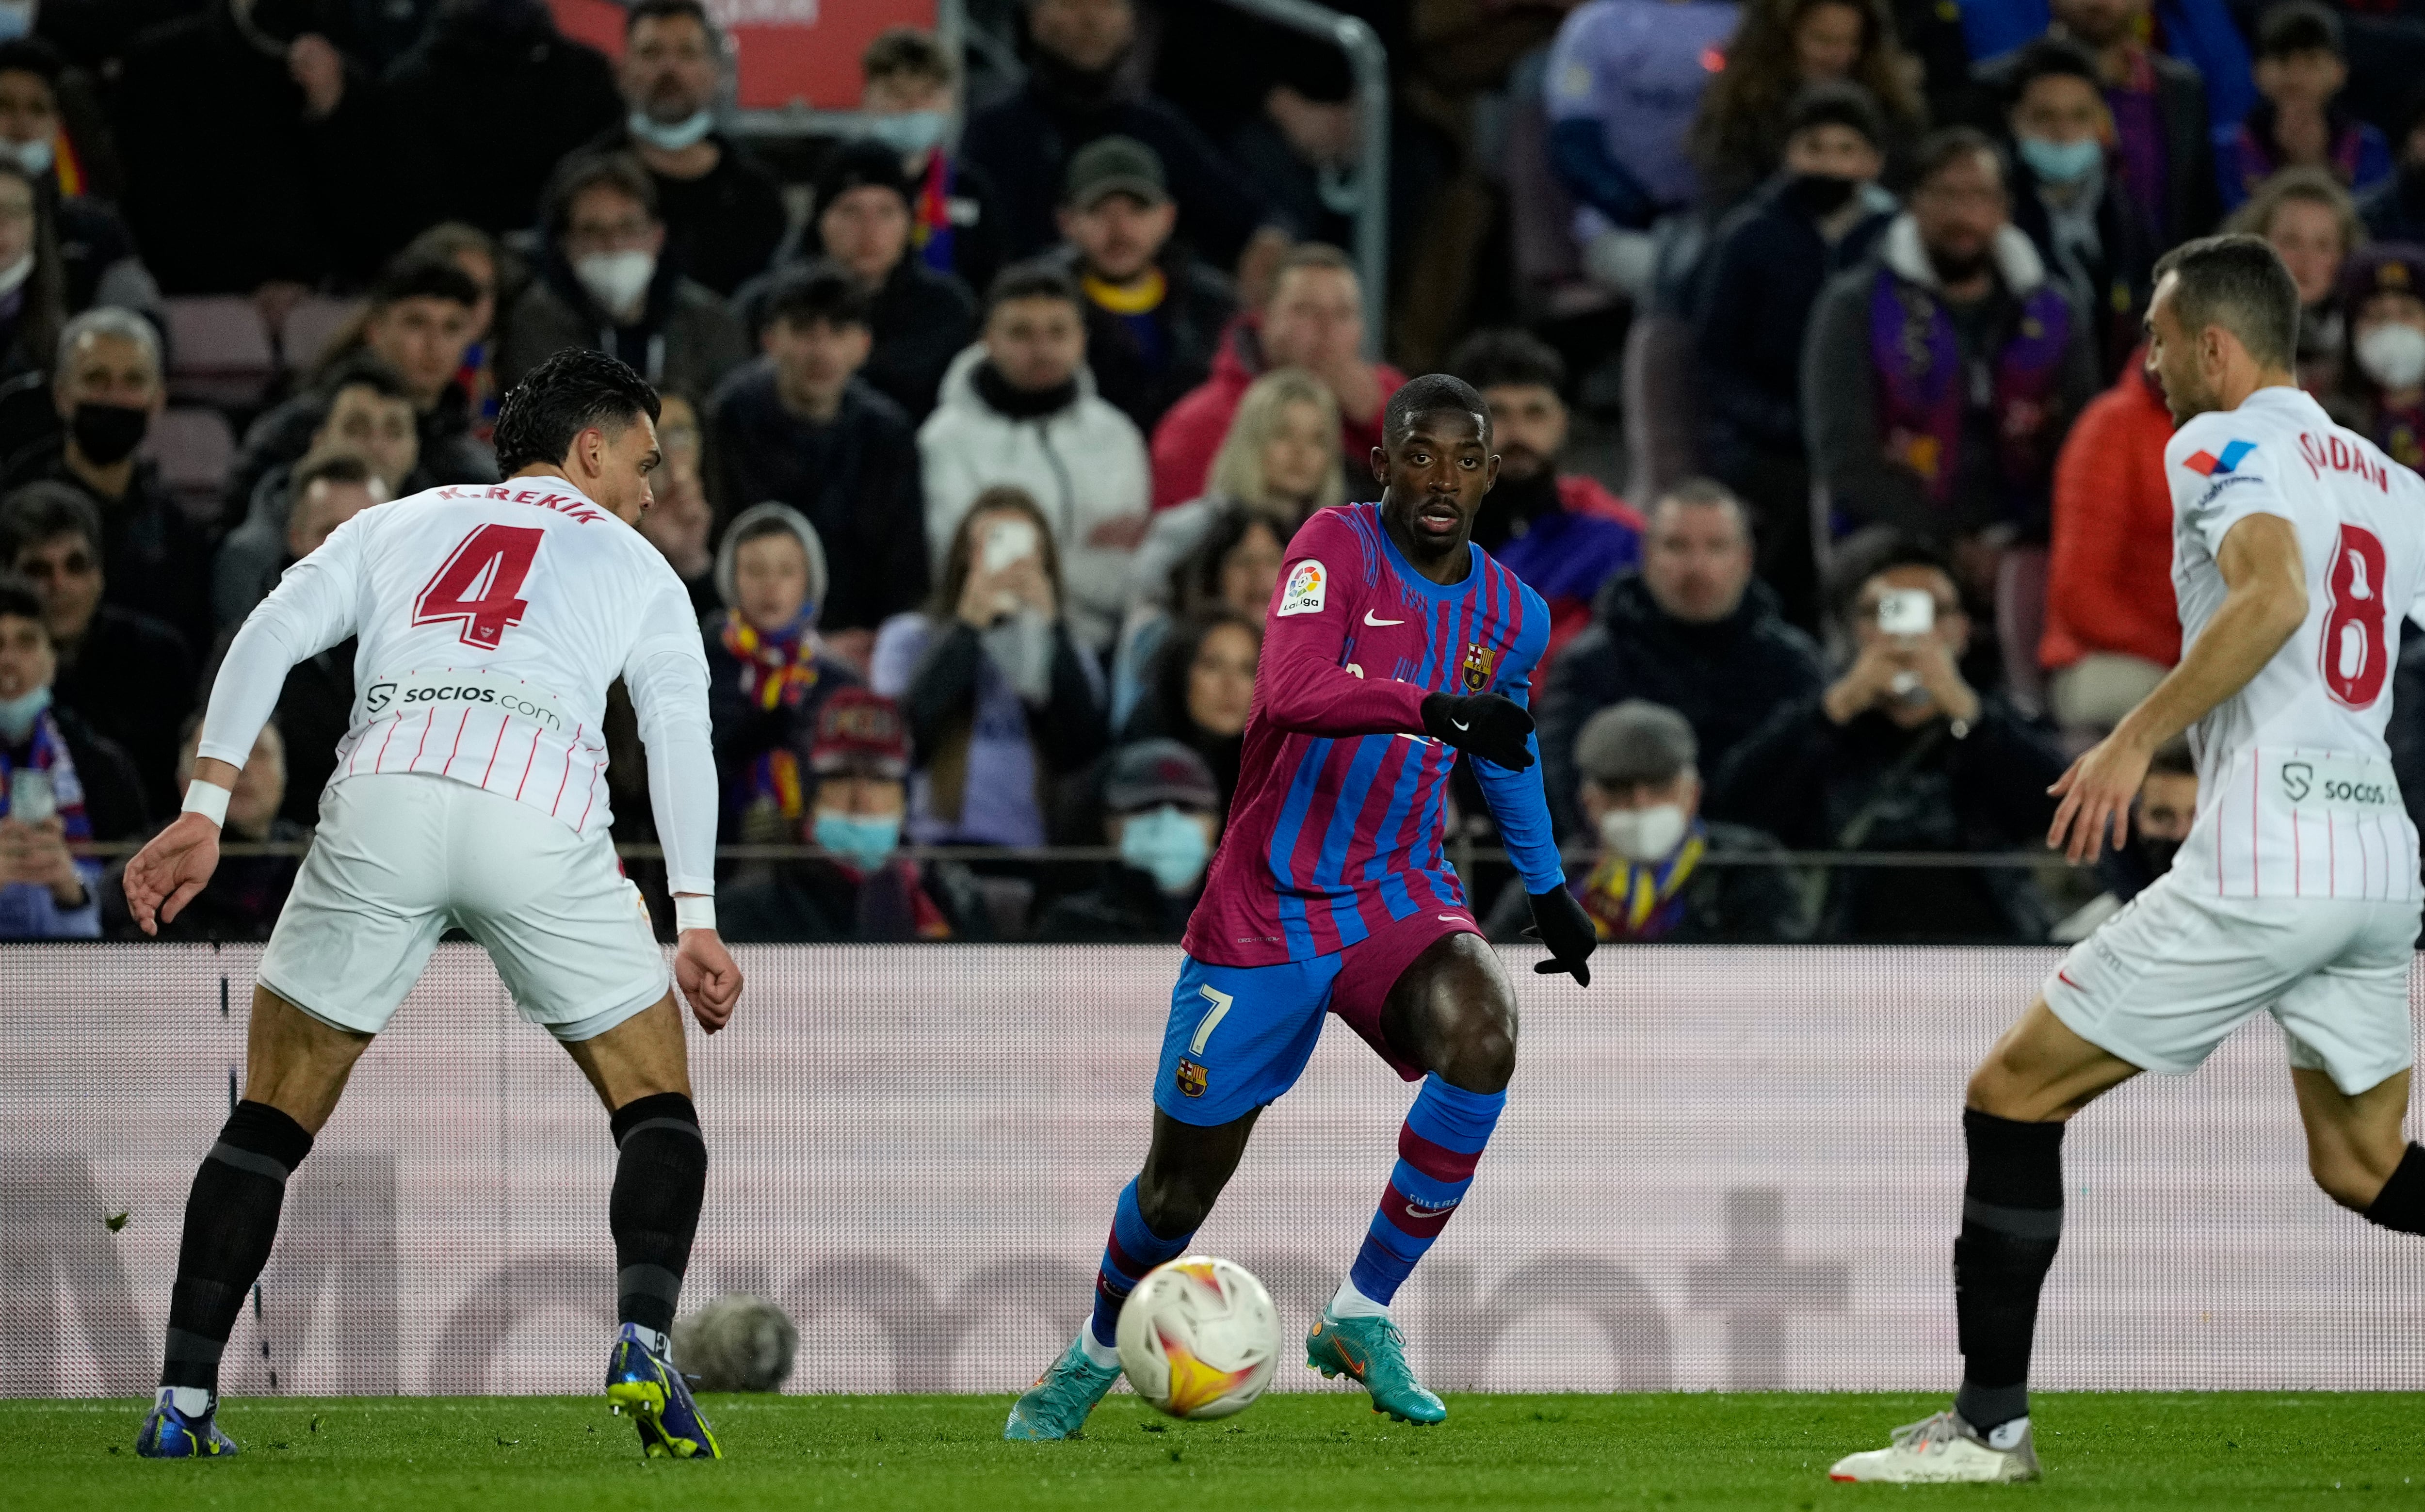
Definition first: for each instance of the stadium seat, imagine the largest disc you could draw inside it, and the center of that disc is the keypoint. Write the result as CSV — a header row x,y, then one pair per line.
x,y
194,448
309,327
220,351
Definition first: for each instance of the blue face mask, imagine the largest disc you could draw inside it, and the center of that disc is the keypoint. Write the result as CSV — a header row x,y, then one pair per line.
x,y
1168,843
17,715
863,841
2061,162
911,131
670,137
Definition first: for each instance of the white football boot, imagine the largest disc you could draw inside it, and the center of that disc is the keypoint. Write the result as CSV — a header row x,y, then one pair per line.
x,y
1941,1448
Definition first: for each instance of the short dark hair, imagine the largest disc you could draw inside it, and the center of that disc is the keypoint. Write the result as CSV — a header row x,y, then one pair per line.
x,y
333,467
2297,26
2237,282
1702,494
820,291
19,601
364,370
1035,279
570,392
1941,150
1196,578
1835,103
1866,559
2051,57
583,171
665,10
1508,358
908,50
424,278
44,511
1430,395
32,55
2173,756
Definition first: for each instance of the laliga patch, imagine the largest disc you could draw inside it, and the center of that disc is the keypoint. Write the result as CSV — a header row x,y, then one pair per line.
x,y
1308,586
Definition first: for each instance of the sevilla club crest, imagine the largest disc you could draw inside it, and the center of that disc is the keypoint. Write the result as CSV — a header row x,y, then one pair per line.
x,y
1480,663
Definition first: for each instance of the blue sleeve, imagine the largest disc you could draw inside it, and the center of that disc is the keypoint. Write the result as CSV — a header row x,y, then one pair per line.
x,y
1578,155
1516,800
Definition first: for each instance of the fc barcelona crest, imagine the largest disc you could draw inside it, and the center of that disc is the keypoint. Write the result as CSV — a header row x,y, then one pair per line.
x,y
1480,662
1191,1078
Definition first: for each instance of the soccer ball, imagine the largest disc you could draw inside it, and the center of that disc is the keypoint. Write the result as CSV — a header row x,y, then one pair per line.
x,y
1199,1338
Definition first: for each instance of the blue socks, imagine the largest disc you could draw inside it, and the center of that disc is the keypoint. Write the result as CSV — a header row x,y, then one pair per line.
x,y
1132,1251
1437,1151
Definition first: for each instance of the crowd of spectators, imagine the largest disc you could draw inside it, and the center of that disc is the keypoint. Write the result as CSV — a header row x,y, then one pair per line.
x,y
989,421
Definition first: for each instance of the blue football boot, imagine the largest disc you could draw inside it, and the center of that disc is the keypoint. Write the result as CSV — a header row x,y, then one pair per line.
x,y
1057,1404
638,1381
168,1434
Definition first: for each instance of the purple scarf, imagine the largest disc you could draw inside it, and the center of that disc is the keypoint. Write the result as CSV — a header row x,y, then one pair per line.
x,y
48,751
1922,386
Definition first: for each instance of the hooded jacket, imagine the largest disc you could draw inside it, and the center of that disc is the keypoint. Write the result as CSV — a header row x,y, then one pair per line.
x,y
1726,677
1191,434
1083,464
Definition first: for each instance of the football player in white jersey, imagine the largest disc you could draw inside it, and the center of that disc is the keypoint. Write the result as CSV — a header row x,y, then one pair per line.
x,y
2298,546
471,792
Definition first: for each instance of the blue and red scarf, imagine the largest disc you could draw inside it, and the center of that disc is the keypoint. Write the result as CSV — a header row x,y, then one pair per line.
x,y
1922,390
48,751
1642,900
777,671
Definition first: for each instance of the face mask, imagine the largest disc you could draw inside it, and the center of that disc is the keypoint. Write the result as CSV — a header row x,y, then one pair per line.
x,y
107,434
16,19
616,279
2061,162
861,840
2158,855
1819,194
17,715
2393,355
1648,834
1168,843
912,131
36,157
13,277
687,132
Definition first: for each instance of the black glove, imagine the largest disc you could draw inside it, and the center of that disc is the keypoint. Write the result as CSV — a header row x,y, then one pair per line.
x,y
1487,725
1560,923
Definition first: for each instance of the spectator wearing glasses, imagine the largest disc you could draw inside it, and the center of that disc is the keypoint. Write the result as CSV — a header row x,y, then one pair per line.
x,y
128,675
723,209
604,284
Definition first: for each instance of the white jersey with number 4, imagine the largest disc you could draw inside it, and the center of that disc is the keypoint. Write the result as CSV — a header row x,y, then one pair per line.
x,y
2296,796
492,621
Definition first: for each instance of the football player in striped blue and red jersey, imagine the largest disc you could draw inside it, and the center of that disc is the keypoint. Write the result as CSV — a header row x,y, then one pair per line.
x,y
1394,643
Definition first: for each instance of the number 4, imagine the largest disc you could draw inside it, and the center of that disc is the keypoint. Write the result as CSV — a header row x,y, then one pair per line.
x,y
479,581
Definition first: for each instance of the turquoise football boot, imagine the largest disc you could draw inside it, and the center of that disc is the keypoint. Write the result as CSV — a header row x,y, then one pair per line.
x,y
1372,1351
168,1434
1056,1406
638,1381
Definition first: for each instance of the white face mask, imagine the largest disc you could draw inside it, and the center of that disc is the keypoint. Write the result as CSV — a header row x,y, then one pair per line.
x,y
670,137
1648,834
2393,355
616,279
36,155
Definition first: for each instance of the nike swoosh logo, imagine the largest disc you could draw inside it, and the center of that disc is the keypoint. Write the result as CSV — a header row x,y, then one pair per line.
x,y
1378,623
1451,918
1460,724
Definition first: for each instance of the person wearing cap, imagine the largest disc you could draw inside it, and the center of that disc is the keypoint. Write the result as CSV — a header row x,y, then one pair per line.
x,y
1823,212
921,318
1161,812
2381,390
1900,753
861,890
723,209
803,426
605,284
1642,871
2093,237
767,673
1155,315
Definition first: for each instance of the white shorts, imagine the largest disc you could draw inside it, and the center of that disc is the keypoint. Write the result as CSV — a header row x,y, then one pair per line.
x,y
2169,977
400,857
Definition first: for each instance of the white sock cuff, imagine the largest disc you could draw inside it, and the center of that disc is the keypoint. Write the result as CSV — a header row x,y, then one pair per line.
x,y
1096,1353
1347,1302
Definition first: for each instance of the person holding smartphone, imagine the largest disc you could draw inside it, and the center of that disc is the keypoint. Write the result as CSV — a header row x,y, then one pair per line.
x,y
1901,753
46,892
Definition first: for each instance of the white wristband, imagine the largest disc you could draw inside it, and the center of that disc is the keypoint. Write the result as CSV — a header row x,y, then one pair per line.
x,y
693,913
208,800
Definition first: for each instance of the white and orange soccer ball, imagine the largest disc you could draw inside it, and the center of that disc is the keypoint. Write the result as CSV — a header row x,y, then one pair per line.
x,y
1199,1338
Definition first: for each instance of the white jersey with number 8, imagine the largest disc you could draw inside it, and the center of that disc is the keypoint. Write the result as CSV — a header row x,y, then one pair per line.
x,y
492,621
2296,796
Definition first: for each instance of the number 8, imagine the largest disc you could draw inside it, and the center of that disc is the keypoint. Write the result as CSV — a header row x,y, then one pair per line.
x,y
2355,654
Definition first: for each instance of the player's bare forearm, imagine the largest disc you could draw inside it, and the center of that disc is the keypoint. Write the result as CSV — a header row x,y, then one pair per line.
x,y
2264,606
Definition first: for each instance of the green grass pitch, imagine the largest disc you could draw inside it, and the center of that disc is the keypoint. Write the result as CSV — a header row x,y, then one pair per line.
x,y
1327,1451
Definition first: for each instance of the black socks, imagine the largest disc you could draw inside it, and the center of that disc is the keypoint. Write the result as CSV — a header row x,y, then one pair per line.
x,y
659,1184
2401,1205
231,1219
2012,1218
